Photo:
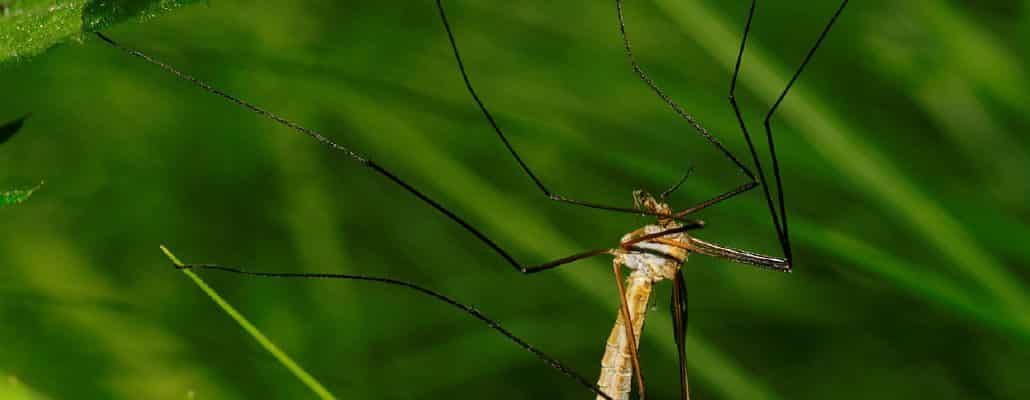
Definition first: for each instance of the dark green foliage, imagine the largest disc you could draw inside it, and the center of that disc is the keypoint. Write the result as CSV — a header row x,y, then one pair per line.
x,y
8,129
10,197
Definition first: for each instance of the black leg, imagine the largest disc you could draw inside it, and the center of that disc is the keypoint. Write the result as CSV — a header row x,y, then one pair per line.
x,y
551,361
701,130
716,200
785,235
778,214
631,339
364,161
678,308
511,149
747,135
627,245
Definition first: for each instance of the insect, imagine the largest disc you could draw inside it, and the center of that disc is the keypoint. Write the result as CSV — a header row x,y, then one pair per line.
x,y
655,252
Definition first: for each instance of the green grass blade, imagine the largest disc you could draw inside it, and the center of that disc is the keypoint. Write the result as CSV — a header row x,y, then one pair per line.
x,y
272,349
956,93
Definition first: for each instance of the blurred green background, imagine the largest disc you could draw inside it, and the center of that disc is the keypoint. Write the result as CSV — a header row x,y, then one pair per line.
x,y
904,152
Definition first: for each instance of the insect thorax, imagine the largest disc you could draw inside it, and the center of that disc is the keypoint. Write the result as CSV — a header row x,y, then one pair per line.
x,y
655,260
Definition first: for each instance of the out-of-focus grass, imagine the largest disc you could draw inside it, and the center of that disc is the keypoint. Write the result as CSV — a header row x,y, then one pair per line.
x,y
902,150
865,166
11,389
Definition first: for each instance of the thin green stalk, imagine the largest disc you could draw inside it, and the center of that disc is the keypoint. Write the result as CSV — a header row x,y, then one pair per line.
x,y
272,349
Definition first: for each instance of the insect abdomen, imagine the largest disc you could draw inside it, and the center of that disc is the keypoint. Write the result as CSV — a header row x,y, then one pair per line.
x,y
617,364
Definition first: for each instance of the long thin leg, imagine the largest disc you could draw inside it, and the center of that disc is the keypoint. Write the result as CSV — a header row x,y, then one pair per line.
x,y
678,308
651,236
779,216
695,245
768,127
716,200
500,133
630,337
562,261
701,130
668,100
747,135
364,161
553,362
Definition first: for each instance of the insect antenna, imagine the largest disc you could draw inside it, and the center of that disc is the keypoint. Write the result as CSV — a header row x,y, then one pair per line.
x,y
470,310
667,192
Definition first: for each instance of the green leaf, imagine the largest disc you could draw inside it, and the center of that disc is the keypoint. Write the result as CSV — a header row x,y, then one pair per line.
x,y
30,27
9,129
16,196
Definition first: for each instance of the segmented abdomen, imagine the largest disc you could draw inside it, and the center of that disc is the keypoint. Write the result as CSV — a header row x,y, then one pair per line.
x,y
617,365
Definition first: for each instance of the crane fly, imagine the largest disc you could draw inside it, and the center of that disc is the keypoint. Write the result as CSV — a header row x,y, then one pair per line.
x,y
653,253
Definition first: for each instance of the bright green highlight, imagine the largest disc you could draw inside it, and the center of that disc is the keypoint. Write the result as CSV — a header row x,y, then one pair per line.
x,y
12,197
12,389
272,349
30,27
